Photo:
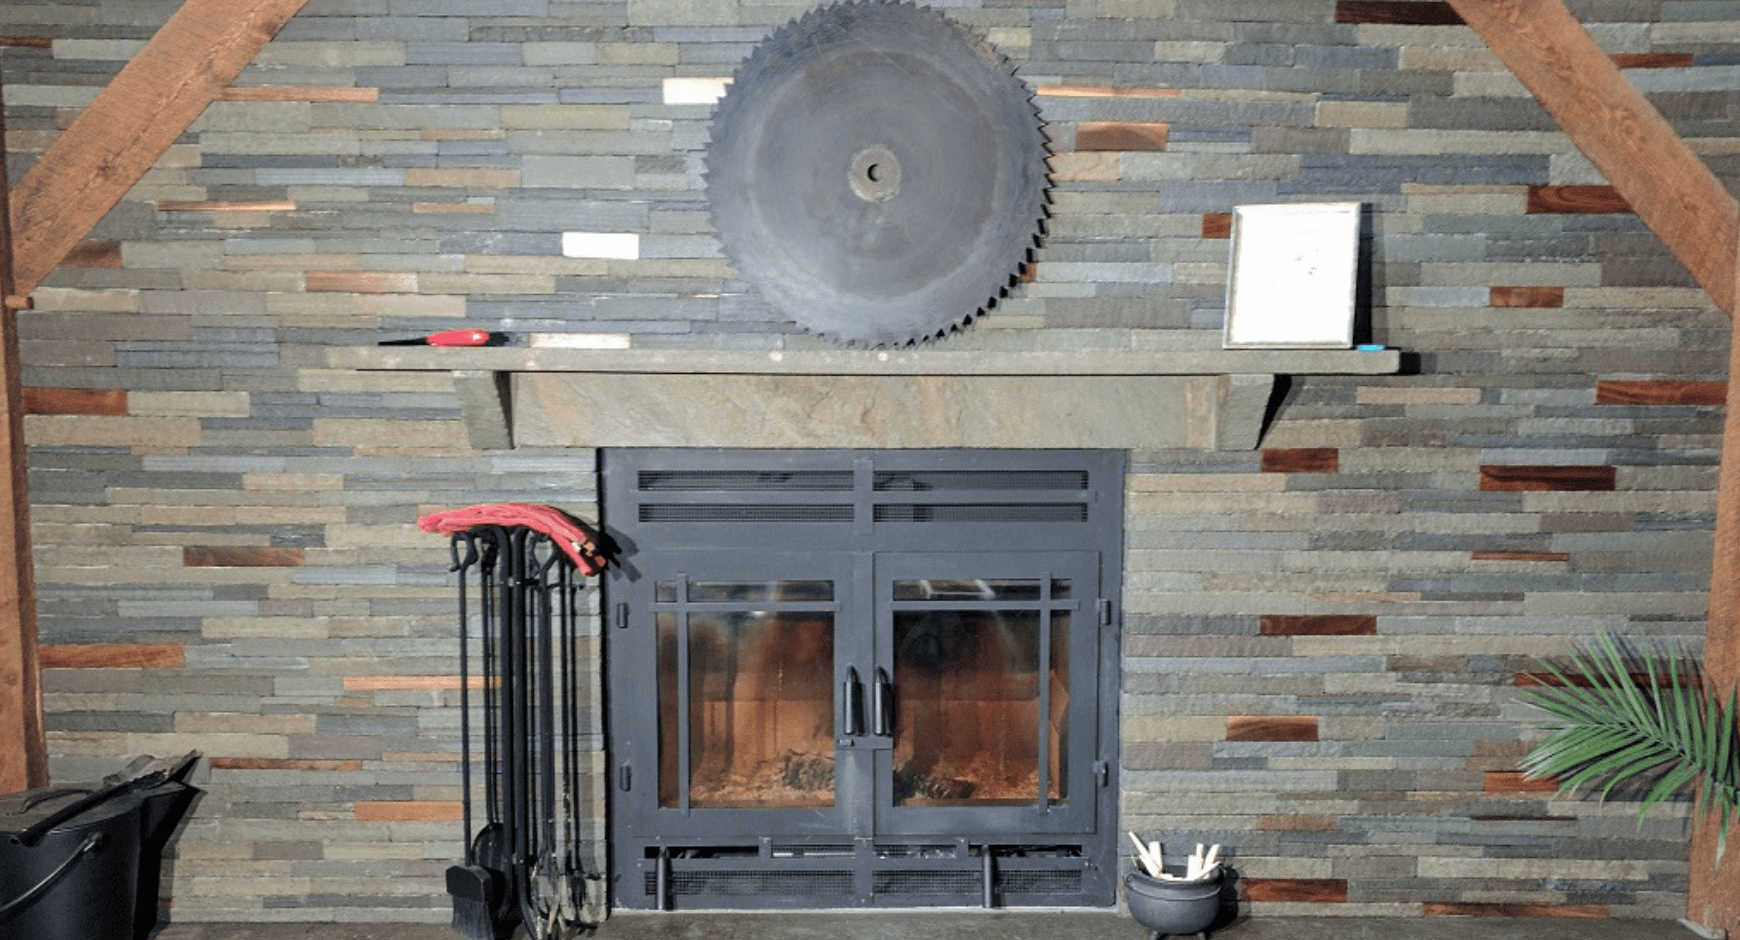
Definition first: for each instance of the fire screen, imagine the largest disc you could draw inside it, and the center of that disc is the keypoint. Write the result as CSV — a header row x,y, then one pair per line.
x,y
846,679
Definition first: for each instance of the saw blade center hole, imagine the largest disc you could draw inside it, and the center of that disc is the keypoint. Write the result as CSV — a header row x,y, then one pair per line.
x,y
875,174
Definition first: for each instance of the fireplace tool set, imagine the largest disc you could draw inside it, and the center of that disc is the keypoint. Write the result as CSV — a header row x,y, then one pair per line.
x,y
525,865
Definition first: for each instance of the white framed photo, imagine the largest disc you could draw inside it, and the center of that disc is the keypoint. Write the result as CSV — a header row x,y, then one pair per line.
x,y
1293,277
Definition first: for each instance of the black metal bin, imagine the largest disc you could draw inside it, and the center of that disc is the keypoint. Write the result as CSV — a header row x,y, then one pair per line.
x,y
71,859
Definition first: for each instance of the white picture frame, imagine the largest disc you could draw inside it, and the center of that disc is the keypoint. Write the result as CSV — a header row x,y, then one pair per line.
x,y
1293,276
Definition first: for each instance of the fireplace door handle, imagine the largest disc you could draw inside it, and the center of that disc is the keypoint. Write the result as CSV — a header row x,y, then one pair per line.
x,y
852,695
882,704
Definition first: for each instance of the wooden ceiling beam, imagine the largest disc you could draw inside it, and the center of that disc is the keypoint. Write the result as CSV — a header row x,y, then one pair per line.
x,y
123,133
1627,139
23,742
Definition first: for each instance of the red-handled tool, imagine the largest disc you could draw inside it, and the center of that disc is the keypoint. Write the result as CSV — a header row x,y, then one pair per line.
x,y
445,338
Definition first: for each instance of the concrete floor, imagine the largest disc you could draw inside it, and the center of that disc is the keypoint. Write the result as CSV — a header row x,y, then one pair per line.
x,y
976,925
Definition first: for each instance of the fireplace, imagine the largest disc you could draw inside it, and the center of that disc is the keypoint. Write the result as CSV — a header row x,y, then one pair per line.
x,y
862,678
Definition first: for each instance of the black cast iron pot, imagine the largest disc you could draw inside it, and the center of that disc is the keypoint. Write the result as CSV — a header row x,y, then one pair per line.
x,y
1170,908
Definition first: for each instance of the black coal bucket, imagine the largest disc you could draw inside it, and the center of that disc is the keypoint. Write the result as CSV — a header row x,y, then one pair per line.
x,y
71,859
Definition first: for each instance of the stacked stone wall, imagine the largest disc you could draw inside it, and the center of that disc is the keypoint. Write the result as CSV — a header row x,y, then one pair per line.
x,y
1323,639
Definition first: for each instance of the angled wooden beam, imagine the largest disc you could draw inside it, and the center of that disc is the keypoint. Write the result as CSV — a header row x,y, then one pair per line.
x,y
23,747
121,135
1669,188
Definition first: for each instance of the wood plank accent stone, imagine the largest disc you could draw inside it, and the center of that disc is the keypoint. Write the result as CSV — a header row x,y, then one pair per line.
x,y
112,143
1217,225
1659,392
93,254
23,737
1576,200
1653,60
1120,135
75,401
409,811
114,656
1496,478
1519,556
240,556
1513,781
1271,728
1307,890
1397,12
285,763
1502,909
259,205
1301,460
1319,625
360,282
298,93
1627,139
27,42
1527,297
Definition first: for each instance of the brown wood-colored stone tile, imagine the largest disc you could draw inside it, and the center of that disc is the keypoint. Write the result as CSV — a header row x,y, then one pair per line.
x,y
1120,135
1319,625
1575,200
360,282
93,254
1495,478
296,93
1310,890
283,763
113,656
1271,728
1217,225
1396,12
240,556
1513,781
1496,909
1520,556
256,205
409,811
1527,297
27,42
1659,392
1301,460
1653,60
74,401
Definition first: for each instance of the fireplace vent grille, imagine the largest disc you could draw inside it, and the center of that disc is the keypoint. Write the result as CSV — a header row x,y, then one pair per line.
x,y
927,882
752,481
929,480
725,512
981,512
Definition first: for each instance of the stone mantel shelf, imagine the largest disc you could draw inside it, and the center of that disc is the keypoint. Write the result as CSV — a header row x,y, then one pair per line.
x,y
1195,397
871,362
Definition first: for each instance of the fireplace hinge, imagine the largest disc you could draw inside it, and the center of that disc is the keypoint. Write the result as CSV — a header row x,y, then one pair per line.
x,y
624,777
1105,611
1103,772
621,616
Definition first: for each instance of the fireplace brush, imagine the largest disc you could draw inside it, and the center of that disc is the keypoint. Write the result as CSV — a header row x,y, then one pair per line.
x,y
525,866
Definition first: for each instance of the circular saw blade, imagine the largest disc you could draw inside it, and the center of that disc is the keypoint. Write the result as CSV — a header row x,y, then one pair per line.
x,y
877,172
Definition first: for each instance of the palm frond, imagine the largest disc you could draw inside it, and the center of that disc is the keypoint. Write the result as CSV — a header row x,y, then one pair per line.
x,y
1615,719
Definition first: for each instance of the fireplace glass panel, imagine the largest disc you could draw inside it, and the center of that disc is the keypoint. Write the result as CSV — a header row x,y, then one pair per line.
x,y
974,724
755,717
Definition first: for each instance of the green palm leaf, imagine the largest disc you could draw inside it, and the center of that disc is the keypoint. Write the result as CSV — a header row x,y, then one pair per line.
x,y
1614,719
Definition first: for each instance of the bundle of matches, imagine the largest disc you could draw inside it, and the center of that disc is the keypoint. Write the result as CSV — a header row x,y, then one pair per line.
x,y
1199,866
